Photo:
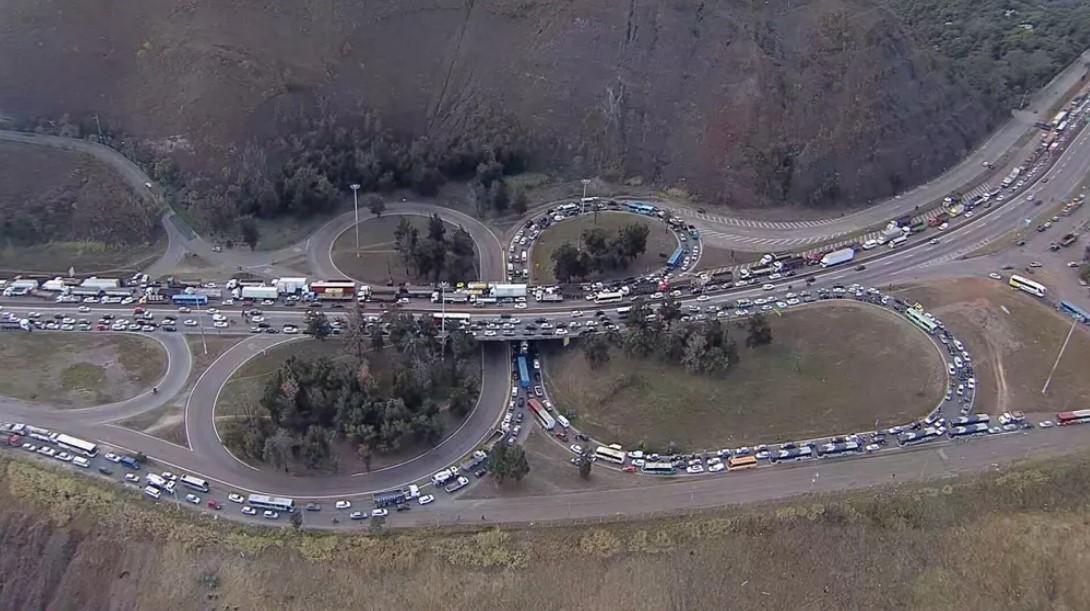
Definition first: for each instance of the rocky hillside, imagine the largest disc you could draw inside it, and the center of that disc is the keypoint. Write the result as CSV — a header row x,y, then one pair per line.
x,y
750,103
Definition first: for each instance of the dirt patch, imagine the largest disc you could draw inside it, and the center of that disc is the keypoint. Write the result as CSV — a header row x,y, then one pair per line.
x,y
378,261
80,369
1014,341
65,209
661,243
830,369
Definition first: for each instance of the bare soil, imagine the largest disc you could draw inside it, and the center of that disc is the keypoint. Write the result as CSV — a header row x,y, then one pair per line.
x,y
830,369
79,369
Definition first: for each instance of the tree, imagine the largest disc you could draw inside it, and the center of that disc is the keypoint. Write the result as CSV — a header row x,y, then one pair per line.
x,y
568,263
460,402
520,202
375,203
296,520
596,351
760,332
508,462
378,341
696,349
278,449
632,241
318,326
518,466
250,233
584,467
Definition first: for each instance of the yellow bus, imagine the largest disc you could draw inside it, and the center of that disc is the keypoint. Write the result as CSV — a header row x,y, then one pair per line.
x,y
741,462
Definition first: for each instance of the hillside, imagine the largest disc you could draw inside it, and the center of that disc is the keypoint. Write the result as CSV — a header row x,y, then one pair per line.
x,y
1013,539
822,102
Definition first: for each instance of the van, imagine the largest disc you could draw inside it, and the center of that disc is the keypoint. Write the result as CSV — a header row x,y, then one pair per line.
x,y
80,461
898,240
441,477
153,492
563,421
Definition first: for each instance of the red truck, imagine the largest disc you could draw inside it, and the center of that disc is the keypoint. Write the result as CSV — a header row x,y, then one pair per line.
x,y
941,218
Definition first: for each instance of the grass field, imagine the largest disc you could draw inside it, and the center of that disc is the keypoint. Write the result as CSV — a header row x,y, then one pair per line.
x,y
79,369
1008,539
661,243
830,369
379,262
1014,341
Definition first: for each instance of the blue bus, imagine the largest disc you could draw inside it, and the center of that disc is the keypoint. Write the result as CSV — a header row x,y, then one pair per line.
x,y
1074,311
676,258
524,373
187,299
640,208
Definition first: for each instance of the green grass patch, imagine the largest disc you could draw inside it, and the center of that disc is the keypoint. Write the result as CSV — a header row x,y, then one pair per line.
x,y
661,243
830,369
377,261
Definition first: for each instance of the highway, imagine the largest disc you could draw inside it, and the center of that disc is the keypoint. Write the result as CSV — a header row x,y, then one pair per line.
x,y
206,456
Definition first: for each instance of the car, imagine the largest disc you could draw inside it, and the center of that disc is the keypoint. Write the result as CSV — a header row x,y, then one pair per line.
x,y
222,324
192,498
83,309
995,276
768,287
235,497
343,504
110,456
248,511
1035,264
425,499
132,477
214,504
105,471
872,447
167,475
694,468
576,448
189,322
944,227
269,514
1046,424
379,513
357,515
63,457
47,451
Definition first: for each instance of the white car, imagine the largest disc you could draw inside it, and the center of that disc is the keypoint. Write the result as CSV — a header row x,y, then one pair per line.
x,y
694,469
343,504
427,498
703,298
379,513
768,287
132,478
576,448
520,306
269,514
944,227
716,465
248,511
110,456
83,309
1046,424
235,498
64,457
357,515
576,313
872,447
220,324
167,475
189,322
192,498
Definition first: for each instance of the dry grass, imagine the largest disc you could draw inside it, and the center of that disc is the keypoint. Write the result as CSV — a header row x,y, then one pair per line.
x,y
660,244
1014,341
80,369
1010,540
378,261
830,369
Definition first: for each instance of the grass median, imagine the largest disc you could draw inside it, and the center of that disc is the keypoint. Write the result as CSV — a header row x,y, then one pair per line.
x,y
661,243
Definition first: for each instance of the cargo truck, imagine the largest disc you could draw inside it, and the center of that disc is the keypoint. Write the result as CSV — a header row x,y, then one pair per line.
x,y
508,291
259,292
288,286
938,219
837,257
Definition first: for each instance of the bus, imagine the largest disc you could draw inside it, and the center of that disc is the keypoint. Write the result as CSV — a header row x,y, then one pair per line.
x,y
262,501
659,468
741,462
609,454
1075,417
450,316
1074,311
926,324
189,299
524,372
676,258
608,297
1027,285
194,483
543,416
77,445
624,311
640,208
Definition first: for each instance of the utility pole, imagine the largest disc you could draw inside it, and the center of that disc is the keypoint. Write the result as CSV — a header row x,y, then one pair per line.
x,y
356,206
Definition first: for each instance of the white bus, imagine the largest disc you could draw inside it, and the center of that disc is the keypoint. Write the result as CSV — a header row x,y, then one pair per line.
x,y
194,483
1027,285
608,454
458,316
77,445
608,297
262,501
625,310
659,468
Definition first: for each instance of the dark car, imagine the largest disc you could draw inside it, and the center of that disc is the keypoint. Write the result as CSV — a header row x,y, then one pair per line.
x,y
105,471
312,507
404,507
481,472
860,267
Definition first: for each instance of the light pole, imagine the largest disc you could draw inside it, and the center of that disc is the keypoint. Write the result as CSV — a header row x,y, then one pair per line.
x,y
583,202
356,206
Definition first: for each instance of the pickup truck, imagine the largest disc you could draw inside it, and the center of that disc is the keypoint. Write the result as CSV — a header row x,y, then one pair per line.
x,y
1069,239
457,485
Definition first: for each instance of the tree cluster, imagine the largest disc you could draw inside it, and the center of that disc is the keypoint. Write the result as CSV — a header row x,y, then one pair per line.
x,y
436,256
704,347
308,404
506,461
600,252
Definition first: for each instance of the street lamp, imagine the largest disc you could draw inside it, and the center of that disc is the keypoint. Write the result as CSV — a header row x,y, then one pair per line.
x,y
356,205
583,202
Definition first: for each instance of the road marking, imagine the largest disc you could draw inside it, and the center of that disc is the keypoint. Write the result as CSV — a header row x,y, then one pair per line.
x,y
1070,331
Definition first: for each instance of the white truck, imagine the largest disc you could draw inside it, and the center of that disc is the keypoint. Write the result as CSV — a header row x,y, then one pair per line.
x,y
501,291
259,292
837,257
289,286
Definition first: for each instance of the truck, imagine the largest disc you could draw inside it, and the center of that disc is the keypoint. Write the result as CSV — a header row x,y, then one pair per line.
x,y
450,297
837,257
334,290
389,497
259,292
290,286
550,297
1068,239
938,219
890,232
101,283
508,291
130,462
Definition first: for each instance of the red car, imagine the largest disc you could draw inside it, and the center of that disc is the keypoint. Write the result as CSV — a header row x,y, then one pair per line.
x,y
214,504
15,441
629,469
